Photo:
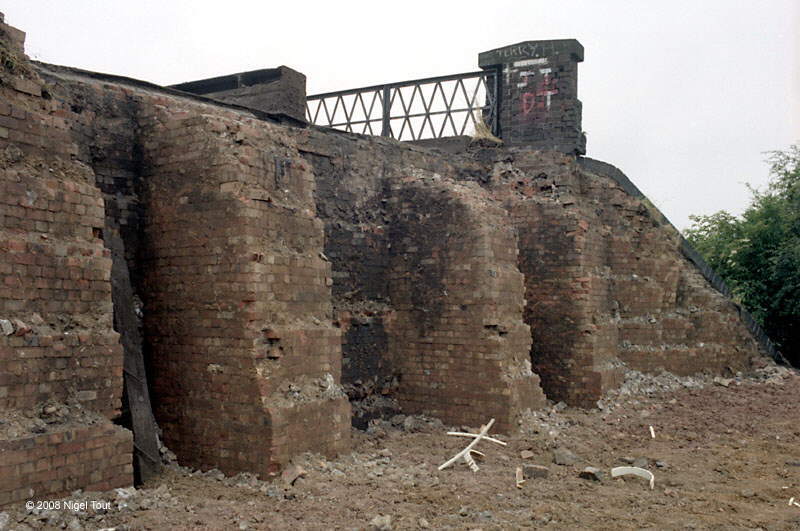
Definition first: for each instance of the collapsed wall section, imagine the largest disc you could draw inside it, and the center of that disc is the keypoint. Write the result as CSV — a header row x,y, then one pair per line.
x,y
354,175
246,365
75,186
60,359
566,288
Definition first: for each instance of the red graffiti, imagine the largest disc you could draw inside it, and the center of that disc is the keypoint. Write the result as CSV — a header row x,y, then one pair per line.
x,y
540,98
528,102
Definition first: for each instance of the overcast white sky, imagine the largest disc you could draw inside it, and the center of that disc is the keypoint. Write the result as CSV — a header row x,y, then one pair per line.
x,y
683,96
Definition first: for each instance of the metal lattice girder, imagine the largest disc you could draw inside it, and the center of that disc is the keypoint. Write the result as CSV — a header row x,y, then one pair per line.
x,y
411,110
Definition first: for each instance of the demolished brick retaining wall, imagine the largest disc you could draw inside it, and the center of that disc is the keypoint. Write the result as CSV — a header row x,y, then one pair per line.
x,y
244,361
266,269
606,281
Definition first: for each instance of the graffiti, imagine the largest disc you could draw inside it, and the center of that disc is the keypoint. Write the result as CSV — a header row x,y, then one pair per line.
x,y
544,86
528,102
503,55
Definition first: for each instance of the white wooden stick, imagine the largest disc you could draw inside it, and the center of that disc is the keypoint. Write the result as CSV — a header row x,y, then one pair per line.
x,y
462,434
465,451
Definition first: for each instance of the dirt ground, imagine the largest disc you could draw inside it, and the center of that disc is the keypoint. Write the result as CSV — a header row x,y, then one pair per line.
x,y
726,455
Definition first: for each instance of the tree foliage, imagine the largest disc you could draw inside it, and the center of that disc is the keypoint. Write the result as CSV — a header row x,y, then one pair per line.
x,y
758,254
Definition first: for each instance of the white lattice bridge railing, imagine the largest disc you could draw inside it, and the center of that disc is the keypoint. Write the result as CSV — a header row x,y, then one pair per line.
x,y
434,107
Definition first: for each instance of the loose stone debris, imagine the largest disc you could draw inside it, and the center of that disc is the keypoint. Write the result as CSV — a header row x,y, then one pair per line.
x,y
392,465
535,472
381,523
591,473
564,457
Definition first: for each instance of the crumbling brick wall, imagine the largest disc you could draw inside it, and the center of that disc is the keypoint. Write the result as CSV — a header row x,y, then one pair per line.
x,y
60,361
246,363
101,121
374,243
606,282
458,296
262,253
350,199
562,258
288,353
354,176
139,140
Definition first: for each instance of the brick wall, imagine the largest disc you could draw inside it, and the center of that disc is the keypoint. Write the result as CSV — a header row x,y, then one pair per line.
x,y
246,363
459,340
57,344
53,464
139,141
56,289
352,199
606,283
101,121
373,239
267,256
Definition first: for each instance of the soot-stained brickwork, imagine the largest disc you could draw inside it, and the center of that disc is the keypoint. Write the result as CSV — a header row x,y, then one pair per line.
x,y
94,115
357,182
251,274
425,282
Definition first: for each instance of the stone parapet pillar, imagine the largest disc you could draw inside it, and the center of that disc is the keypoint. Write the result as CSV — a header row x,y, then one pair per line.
x,y
538,99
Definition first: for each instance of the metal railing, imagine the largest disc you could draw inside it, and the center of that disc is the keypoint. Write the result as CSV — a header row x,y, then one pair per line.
x,y
433,107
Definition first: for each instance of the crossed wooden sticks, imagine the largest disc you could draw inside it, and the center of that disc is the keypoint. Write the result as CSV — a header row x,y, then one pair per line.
x,y
467,452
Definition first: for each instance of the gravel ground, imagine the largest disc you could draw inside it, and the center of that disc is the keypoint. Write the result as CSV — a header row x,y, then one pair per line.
x,y
726,455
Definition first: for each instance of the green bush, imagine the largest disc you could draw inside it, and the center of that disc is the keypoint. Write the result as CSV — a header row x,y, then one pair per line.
x,y
758,254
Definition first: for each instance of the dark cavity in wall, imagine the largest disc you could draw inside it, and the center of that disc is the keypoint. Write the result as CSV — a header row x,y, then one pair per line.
x,y
367,374
119,176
